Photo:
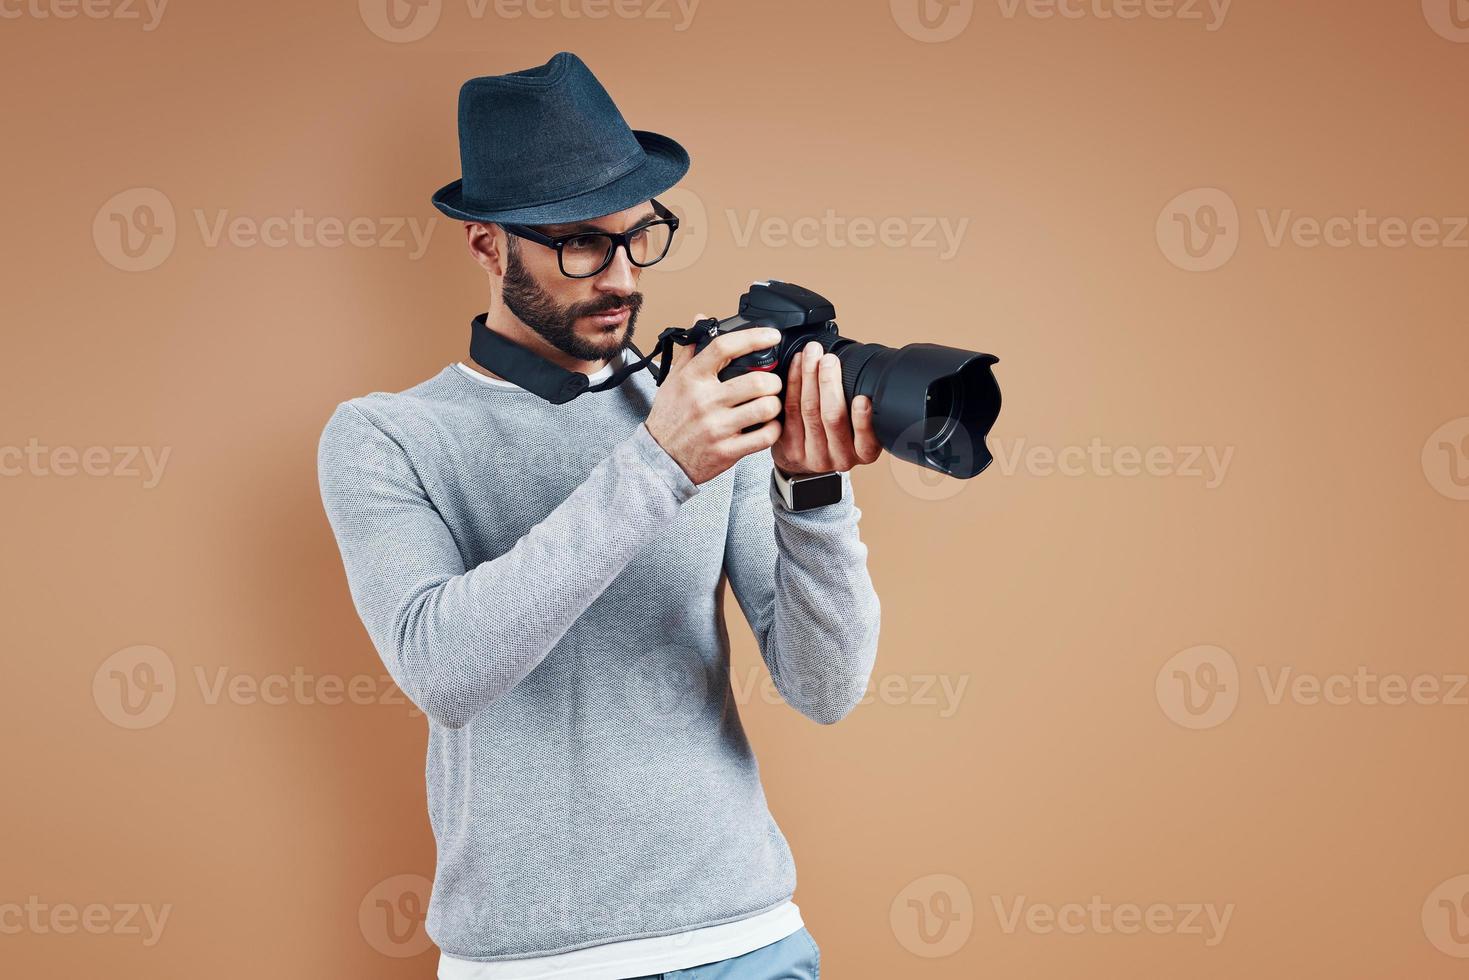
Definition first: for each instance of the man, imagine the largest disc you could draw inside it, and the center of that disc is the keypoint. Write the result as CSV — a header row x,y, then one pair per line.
x,y
544,577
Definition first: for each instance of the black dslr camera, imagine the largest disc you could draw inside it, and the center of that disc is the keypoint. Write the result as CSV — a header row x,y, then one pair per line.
x,y
931,405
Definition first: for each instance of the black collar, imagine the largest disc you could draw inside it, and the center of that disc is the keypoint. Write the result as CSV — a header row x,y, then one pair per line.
x,y
499,354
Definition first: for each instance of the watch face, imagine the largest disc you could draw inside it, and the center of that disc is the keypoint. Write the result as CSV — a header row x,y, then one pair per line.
x,y
817,491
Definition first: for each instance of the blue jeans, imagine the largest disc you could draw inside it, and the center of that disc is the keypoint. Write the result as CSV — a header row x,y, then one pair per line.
x,y
796,957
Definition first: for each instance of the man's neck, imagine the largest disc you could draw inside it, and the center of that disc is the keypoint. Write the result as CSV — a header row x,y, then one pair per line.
x,y
505,323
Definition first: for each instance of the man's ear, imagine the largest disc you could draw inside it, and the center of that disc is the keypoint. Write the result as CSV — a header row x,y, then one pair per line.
x,y
488,243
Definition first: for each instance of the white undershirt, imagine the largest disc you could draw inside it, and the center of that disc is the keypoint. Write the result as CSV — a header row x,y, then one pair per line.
x,y
639,957
631,957
627,358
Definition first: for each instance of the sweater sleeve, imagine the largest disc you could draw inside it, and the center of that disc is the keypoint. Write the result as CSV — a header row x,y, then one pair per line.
x,y
801,580
454,638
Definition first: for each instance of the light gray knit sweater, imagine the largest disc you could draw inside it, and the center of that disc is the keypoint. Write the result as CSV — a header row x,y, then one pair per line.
x,y
544,582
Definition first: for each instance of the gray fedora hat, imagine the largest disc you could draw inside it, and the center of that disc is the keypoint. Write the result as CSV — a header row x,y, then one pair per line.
x,y
547,145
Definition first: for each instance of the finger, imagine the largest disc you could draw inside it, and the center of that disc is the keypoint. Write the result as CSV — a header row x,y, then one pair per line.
x,y
727,346
737,391
681,355
677,358
816,457
834,416
865,442
793,433
752,442
756,412
683,352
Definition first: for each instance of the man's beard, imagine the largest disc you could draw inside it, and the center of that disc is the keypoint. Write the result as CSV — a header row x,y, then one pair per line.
x,y
556,323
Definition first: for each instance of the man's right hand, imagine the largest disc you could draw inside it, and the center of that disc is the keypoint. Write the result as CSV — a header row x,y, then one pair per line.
x,y
697,418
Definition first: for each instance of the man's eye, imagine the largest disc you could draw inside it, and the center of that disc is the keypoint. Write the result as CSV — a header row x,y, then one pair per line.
x,y
586,243
639,234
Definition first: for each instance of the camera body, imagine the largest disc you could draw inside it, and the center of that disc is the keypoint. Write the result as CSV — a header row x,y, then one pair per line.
x,y
931,405
798,313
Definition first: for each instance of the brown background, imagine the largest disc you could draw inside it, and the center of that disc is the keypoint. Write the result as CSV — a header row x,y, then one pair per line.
x,y
1334,541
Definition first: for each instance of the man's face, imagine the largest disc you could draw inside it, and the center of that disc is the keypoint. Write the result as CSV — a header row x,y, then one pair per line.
x,y
590,319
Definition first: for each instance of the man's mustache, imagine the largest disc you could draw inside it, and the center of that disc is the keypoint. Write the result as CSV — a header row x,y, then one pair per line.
x,y
633,301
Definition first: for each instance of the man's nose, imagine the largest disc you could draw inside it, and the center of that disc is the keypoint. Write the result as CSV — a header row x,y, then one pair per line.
x,y
620,276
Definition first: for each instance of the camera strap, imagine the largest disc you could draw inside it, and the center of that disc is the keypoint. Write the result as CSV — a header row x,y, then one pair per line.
x,y
521,366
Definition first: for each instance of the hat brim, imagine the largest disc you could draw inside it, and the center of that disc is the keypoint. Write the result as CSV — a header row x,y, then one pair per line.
x,y
665,164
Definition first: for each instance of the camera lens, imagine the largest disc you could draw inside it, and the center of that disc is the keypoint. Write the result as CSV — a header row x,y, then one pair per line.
x,y
941,417
931,405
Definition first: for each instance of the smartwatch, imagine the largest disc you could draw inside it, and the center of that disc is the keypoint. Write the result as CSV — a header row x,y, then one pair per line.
x,y
808,491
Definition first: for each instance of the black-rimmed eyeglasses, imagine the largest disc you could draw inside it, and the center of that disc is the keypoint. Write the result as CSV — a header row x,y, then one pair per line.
x,y
583,254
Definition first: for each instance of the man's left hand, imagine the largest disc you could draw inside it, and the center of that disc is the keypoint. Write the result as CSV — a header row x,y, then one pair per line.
x,y
818,434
